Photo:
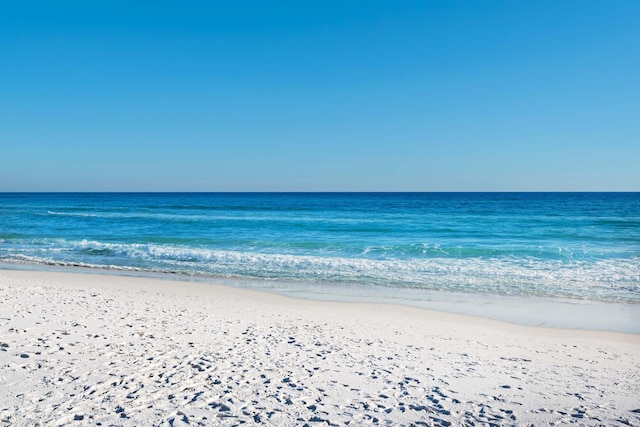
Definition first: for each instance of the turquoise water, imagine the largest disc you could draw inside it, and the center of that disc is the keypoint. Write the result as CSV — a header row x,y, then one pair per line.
x,y
572,246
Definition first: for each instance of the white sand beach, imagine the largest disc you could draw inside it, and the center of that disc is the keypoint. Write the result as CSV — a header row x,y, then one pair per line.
x,y
94,349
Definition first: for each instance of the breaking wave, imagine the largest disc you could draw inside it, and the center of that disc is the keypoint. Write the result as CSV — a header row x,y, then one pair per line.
x,y
603,279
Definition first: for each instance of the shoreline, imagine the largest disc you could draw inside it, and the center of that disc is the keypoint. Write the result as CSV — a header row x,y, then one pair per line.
x,y
557,313
86,348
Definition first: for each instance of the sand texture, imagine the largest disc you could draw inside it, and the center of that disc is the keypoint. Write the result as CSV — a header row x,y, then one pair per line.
x,y
89,349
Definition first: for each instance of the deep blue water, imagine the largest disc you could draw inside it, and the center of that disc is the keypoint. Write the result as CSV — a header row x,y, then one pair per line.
x,y
581,246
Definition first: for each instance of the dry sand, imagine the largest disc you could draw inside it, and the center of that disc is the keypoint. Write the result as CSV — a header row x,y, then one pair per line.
x,y
88,349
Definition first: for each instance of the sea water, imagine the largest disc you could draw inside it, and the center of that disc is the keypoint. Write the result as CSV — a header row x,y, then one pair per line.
x,y
482,253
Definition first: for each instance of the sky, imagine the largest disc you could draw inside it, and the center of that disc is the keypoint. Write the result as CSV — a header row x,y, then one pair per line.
x,y
320,96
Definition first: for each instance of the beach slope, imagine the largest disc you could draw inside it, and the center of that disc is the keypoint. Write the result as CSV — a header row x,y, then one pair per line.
x,y
94,349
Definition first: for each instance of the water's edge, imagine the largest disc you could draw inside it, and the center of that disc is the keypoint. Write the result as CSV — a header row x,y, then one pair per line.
x,y
529,311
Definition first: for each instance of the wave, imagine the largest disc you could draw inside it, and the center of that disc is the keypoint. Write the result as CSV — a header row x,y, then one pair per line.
x,y
426,250
181,217
78,214
613,279
348,249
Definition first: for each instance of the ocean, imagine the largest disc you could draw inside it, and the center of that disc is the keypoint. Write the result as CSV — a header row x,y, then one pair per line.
x,y
493,254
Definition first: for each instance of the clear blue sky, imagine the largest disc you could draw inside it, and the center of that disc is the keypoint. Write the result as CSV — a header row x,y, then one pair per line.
x,y
320,96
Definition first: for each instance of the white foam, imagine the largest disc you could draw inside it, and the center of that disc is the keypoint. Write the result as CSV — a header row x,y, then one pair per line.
x,y
605,279
77,214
